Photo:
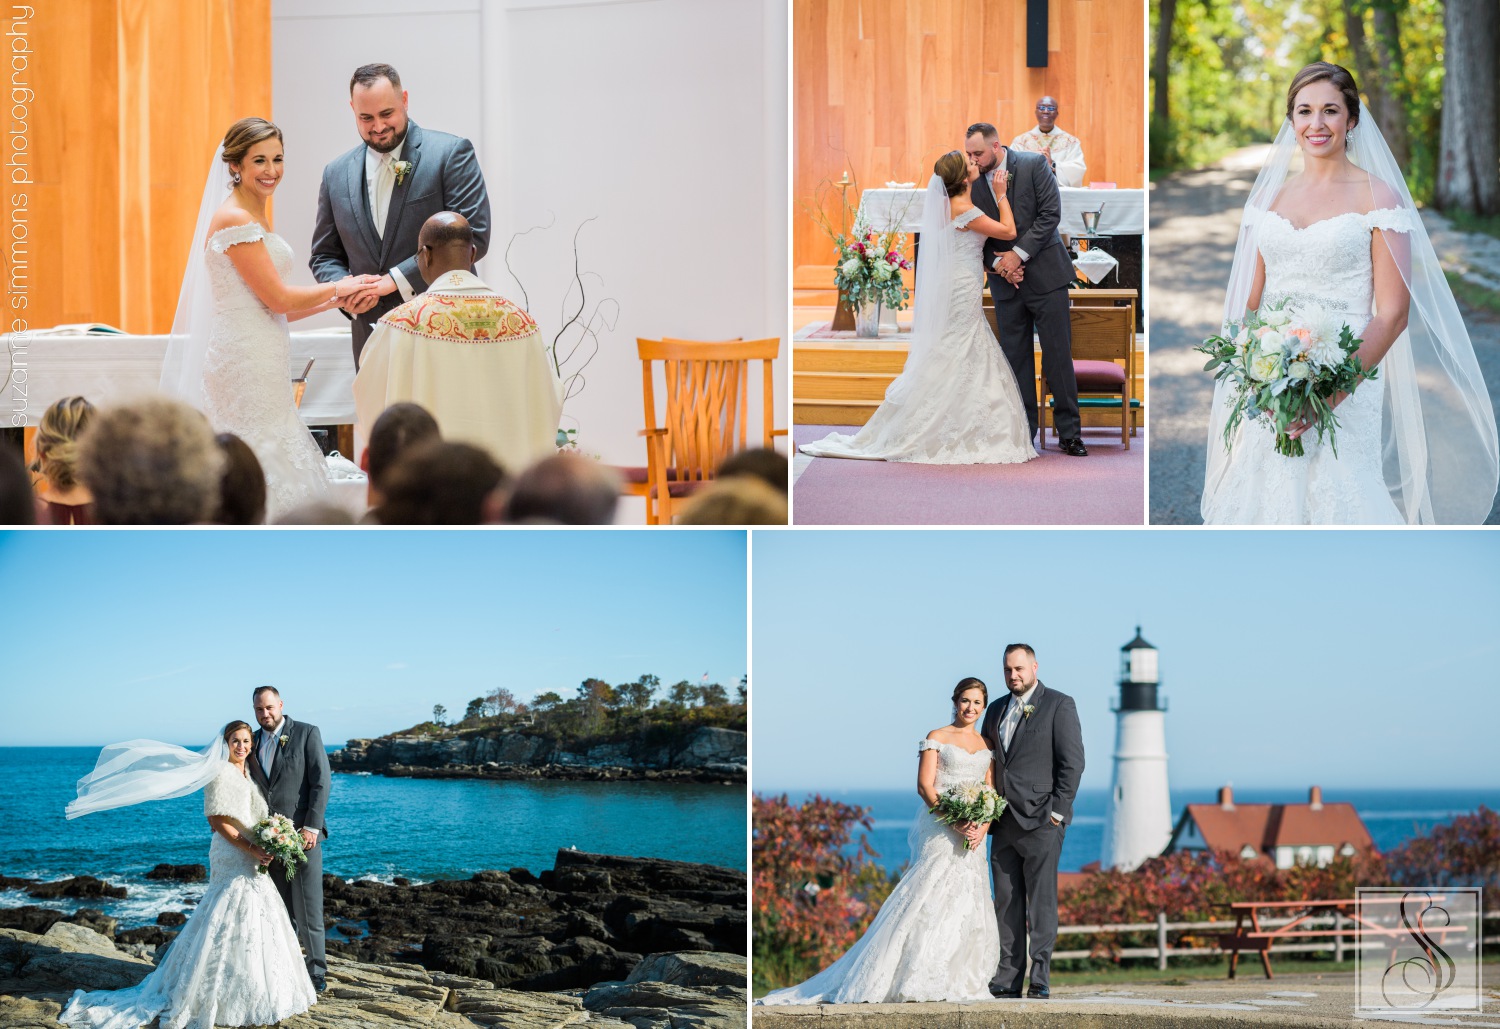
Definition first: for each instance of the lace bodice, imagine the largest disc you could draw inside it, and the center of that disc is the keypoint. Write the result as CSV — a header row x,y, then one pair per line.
x,y
955,764
231,291
1327,261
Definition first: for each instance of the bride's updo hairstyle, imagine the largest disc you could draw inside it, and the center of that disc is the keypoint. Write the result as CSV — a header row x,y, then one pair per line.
x,y
1322,71
234,727
953,169
971,683
243,135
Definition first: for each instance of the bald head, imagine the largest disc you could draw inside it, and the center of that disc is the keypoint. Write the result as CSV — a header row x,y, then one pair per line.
x,y
1046,113
445,244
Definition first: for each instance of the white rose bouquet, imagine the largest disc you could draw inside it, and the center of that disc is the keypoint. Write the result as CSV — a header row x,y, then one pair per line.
x,y
870,266
1286,366
279,837
967,802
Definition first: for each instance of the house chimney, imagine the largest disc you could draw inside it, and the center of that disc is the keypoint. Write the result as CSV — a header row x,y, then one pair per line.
x,y
1315,798
1226,798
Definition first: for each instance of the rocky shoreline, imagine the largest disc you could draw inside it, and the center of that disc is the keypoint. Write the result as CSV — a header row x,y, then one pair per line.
x,y
591,921
705,755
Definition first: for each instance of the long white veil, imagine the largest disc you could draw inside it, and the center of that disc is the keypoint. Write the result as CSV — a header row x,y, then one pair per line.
x,y
929,319
1442,456
136,771
182,370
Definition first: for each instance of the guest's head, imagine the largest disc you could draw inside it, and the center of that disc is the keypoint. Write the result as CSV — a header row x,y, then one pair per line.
x,y
1046,113
1020,667
769,466
982,144
445,244
242,488
956,171
441,483
742,500
379,106
969,699
267,703
151,462
316,513
253,153
1322,104
399,427
57,443
17,504
565,489
240,739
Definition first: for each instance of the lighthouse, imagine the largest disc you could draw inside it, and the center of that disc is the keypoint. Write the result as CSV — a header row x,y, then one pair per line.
x,y
1138,823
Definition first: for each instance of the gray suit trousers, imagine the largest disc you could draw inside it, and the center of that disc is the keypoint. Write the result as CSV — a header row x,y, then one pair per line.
x,y
1023,869
303,897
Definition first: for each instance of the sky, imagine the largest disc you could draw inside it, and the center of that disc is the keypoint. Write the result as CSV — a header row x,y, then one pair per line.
x,y
1343,658
110,636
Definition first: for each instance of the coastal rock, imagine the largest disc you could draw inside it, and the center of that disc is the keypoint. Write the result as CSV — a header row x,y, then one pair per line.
x,y
81,887
64,958
179,873
171,919
37,920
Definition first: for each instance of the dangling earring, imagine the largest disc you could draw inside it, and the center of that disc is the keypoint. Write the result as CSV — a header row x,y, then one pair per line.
x,y
1348,139
235,177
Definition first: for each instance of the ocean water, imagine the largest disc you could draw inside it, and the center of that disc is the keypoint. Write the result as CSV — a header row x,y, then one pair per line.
x,y
1391,816
422,829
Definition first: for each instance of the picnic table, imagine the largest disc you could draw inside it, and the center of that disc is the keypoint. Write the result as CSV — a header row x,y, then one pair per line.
x,y
1261,939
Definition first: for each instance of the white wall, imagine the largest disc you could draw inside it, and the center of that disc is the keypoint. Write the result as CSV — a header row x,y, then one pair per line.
x,y
665,120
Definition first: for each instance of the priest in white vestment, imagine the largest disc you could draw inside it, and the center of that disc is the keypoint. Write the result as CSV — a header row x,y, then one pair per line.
x,y
1062,149
468,355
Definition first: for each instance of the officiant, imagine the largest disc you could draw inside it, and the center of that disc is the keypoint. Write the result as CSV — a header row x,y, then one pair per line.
x,y
468,355
1063,150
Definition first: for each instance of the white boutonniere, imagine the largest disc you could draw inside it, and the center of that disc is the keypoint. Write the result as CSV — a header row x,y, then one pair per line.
x,y
1028,710
285,739
401,168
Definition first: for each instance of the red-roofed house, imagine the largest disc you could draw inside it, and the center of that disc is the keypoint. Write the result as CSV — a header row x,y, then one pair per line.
x,y
1284,834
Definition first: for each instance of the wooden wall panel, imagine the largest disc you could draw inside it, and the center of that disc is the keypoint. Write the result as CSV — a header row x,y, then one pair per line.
x,y
882,88
132,98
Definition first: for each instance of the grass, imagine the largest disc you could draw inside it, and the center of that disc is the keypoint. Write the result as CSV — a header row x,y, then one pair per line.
x,y
1475,296
1489,224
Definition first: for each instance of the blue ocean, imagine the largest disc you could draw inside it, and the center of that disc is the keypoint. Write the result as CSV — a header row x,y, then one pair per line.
x,y
1391,816
421,829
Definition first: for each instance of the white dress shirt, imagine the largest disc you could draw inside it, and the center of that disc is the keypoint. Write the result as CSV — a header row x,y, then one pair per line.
x,y
380,183
269,741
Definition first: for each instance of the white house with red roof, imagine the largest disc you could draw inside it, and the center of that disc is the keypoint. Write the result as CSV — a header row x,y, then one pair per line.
x,y
1284,834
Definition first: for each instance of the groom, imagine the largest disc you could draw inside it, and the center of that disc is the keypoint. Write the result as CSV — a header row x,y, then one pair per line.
x,y
1038,747
1029,277
290,766
374,199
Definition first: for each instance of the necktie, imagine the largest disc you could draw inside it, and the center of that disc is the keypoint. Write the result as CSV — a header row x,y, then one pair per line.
x,y
383,180
1012,719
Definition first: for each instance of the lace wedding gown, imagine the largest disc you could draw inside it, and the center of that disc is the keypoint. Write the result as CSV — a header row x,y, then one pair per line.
x,y
935,937
956,402
235,962
1327,262
246,380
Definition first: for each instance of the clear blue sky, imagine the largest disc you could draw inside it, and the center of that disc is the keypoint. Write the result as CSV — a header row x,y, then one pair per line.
x,y
115,635
1288,658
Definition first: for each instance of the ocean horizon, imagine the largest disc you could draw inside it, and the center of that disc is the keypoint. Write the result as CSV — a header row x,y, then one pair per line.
x,y
379,828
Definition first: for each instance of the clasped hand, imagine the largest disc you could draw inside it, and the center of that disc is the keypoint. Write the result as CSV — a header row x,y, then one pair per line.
x,y
974,832
358,293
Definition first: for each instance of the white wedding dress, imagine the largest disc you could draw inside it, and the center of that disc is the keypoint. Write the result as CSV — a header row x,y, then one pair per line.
x,y
956,401
935,937
246,385
235,962
1328,263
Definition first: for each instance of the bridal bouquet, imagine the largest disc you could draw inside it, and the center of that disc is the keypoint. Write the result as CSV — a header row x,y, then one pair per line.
x,y
1285,366
870,266
968,802
279,837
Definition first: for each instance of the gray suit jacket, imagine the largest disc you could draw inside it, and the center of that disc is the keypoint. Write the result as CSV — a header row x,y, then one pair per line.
x,y
1037,208
1040,772
299,780
445,176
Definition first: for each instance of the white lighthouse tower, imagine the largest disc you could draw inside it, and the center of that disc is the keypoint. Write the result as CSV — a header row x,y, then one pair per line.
x,y
1139,820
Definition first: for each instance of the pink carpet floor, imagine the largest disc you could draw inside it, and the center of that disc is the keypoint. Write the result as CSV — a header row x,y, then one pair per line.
x,y
1105,488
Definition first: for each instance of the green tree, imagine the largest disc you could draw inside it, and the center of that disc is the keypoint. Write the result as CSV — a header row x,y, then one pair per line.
x,y
683,693
439,714
596,697
475,710
544,702
743,689
638,694
713,693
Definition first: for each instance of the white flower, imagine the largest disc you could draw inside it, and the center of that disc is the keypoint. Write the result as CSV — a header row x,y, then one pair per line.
x,y
1271,342
851,267
970,793
882,271
1242,338
1274,318
1299,370
1264,367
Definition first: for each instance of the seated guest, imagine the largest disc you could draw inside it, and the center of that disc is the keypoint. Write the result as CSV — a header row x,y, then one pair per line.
x,y
60,498
440,483
464,352
1062,149
564,489
17,505
151,462
770,466
737,500
398,428
242,488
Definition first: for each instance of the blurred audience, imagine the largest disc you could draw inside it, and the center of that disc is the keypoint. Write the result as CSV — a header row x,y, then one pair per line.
x,y
399,427
17,505
151,462
60,498
770,466
437,483
242,488
565,489
737,500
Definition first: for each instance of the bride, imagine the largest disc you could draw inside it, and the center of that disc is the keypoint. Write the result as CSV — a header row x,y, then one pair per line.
x,y
236,961
935,938
1416,444
230,351
956,401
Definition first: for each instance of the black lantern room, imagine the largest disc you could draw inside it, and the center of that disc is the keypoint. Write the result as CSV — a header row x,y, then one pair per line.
x,y
1138,678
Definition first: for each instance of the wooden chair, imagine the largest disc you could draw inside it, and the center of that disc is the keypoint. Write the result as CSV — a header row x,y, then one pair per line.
x,y
1102,336
706,415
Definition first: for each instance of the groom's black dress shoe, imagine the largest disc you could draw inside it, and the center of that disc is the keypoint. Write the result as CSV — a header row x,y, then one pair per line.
x,y
319,983
1006,994
1039,993
1073,447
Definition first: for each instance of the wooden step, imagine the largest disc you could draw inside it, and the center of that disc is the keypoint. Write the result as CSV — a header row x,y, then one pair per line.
x,y
833,412
841,385
836,357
